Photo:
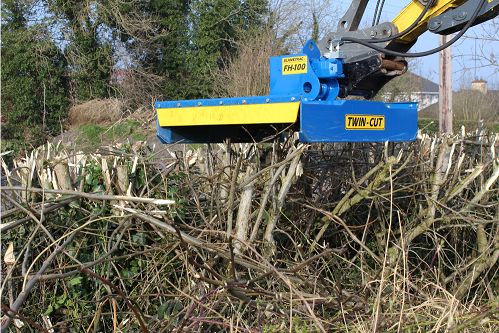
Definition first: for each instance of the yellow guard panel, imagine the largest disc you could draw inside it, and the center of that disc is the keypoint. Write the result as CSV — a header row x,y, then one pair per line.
x,y
272,113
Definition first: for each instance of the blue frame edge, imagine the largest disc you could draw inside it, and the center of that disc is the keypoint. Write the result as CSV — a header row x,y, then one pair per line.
x,y
324,121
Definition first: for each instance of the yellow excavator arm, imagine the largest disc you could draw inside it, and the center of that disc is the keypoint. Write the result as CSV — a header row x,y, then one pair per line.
x,y
411,12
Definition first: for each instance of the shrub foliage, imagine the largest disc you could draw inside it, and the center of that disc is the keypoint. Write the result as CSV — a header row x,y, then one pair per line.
x,y
261,238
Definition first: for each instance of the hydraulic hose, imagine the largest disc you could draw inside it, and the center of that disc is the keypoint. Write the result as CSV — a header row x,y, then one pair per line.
x,y
417,54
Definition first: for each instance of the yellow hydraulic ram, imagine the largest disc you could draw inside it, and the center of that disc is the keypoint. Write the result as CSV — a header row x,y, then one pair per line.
x,y
411,12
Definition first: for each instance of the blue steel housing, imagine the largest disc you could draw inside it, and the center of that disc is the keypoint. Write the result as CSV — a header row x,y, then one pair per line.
x,y
322,117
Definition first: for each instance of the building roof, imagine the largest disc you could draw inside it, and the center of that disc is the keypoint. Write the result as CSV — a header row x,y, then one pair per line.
x,y
422,83
410,83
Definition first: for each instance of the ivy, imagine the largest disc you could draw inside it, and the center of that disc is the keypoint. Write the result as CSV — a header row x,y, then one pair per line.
x,y
34,85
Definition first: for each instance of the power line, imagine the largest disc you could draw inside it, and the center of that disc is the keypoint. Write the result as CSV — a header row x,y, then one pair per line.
x,y
489,39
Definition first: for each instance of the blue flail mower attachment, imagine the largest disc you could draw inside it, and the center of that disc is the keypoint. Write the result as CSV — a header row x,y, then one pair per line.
x,y
303,97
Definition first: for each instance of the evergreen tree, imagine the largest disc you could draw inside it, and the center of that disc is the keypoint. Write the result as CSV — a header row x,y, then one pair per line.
x,y
169,57
34,87
219,26
155,34
190,39
88,50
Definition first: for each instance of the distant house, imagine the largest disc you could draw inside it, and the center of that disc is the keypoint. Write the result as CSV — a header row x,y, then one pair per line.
x,y
476,103
479,85
411,87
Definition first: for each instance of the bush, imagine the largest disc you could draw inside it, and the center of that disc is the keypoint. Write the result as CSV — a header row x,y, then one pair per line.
x,y
275,238
34,86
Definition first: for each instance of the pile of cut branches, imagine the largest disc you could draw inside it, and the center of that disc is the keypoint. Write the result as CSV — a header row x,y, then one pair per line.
x,y
267,237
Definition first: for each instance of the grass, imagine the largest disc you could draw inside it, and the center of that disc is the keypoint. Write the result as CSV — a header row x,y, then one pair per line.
x,y
430,126
93,135
90,134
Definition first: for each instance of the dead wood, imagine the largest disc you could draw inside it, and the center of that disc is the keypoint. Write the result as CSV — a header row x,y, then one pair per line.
x,y
271,236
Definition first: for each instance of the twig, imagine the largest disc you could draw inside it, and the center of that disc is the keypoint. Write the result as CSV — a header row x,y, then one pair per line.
x,y
10,225
346,202
347,229
12,313
23,295
244,213
90,196
289,158
286,185
132,307
191,240
263,202
230,203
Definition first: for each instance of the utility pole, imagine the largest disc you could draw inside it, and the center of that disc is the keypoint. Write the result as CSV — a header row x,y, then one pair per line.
x,y
445,89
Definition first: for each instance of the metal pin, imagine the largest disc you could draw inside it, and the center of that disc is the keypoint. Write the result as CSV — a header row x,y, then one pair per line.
x,y
267,100
221,102
199,103
178,104
244,101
